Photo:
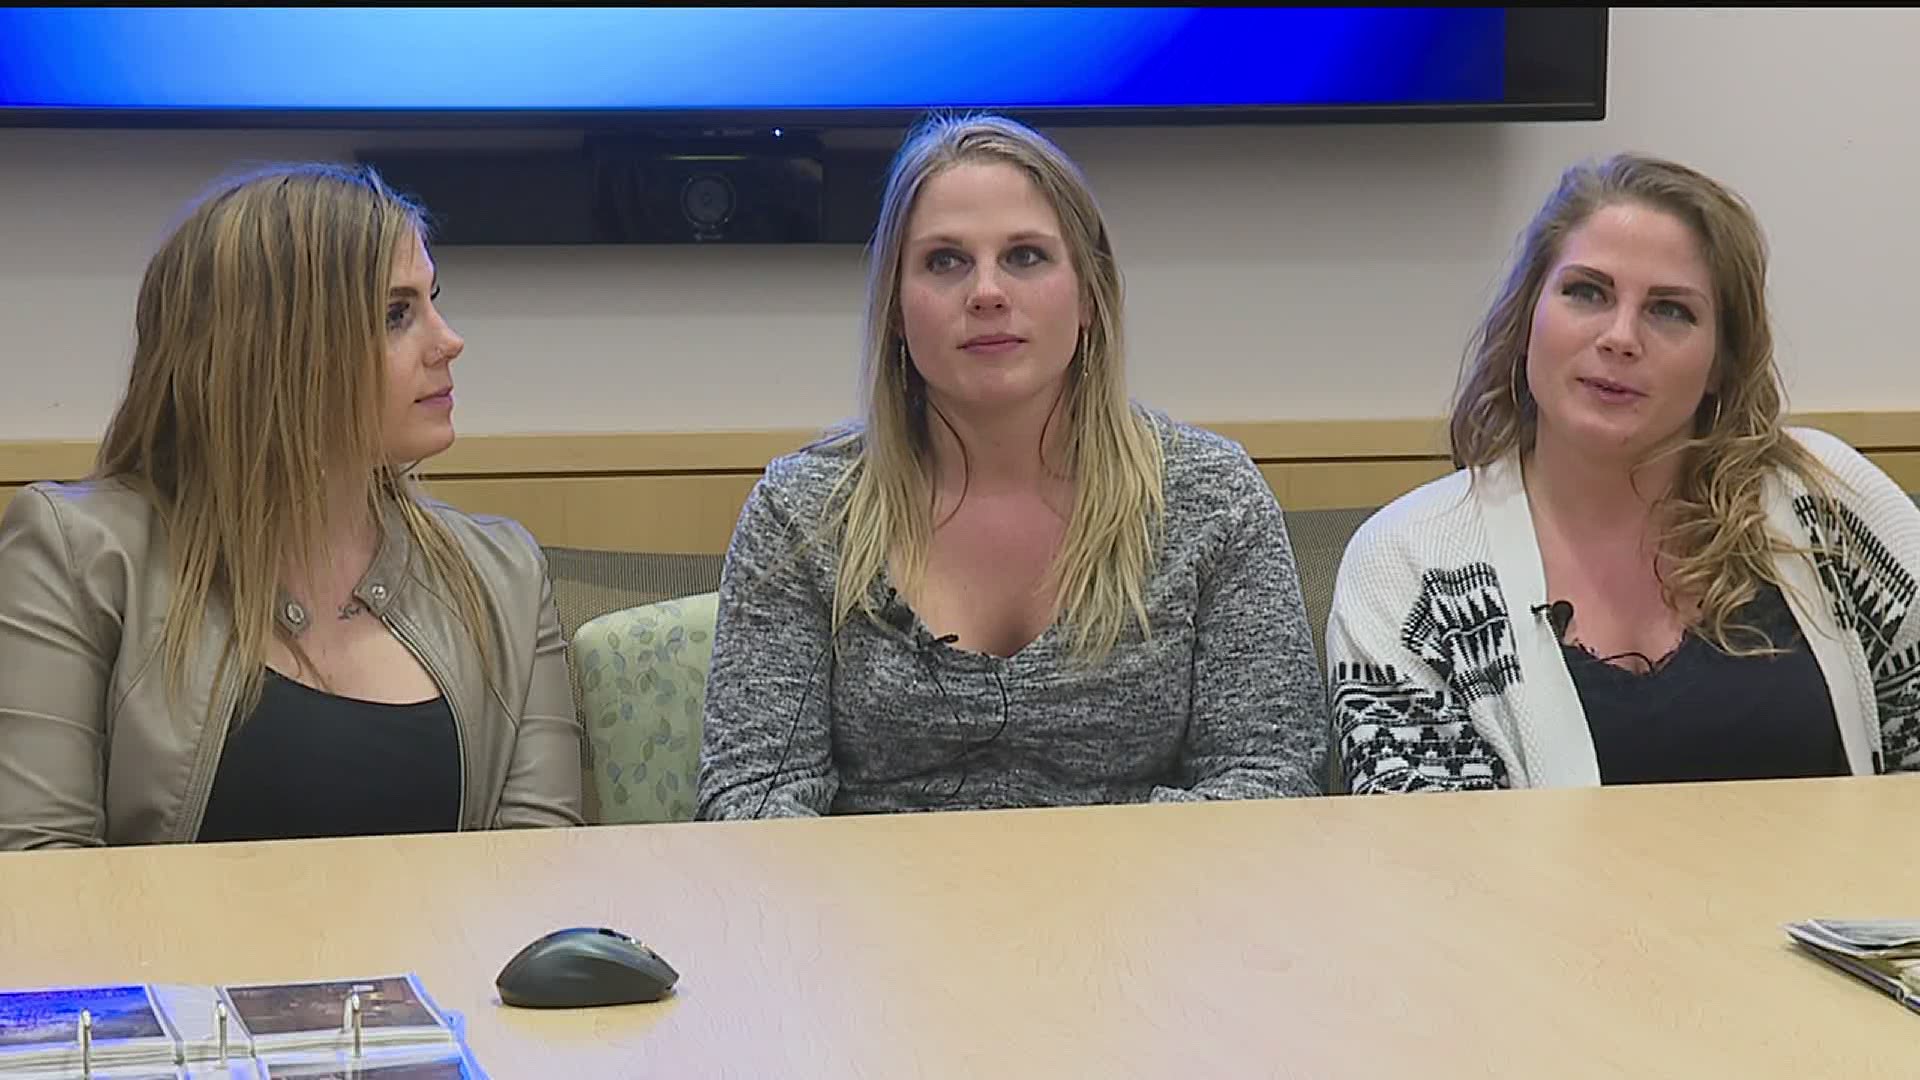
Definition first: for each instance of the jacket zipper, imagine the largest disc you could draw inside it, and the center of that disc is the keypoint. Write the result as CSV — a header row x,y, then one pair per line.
x,y
453,707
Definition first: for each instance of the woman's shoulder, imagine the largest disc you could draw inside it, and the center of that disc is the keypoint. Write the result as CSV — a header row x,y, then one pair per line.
x,y
1429,526
1207,480
1201,462
1195,452
489,541
1830,450
100,513
103,532
1852,481
826,458
804,480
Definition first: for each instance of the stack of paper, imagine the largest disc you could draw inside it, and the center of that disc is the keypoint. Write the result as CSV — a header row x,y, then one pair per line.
x,y
1881,952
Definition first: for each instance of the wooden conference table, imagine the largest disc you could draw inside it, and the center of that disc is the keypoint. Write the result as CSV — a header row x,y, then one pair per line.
x,y
1622,932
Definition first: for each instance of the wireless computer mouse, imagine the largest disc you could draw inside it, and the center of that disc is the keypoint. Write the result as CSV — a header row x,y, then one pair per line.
x,y
584,966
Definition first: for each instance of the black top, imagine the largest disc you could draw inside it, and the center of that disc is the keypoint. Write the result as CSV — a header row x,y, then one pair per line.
x,y
308,763
1701,714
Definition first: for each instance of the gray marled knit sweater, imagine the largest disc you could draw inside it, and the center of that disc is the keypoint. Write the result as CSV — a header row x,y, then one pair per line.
x,y
1223,702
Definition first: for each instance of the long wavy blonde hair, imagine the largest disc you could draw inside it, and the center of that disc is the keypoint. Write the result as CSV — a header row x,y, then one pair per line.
x,y
1714,534
882,512
259,370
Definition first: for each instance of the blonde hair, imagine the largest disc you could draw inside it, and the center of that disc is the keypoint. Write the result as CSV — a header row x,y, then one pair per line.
x,y
1715,534
258,368
883,507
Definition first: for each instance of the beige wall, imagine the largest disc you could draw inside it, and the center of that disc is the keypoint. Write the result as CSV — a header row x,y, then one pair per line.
x,y
1273,273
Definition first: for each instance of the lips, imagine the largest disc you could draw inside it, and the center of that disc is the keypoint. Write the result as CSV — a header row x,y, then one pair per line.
x,y
1611,388
992,341
435,397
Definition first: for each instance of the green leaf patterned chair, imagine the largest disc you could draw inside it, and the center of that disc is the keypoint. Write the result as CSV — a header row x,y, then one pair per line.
x,y
643,685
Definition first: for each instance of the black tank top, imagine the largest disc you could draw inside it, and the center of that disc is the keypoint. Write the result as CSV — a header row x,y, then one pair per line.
x,y
1701,714
308,763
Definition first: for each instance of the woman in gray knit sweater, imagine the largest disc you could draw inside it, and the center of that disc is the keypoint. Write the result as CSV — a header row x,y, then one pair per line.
x,y
1010,586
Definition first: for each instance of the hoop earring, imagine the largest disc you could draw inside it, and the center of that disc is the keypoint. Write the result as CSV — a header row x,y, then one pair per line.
x,y
1718,402
1082,349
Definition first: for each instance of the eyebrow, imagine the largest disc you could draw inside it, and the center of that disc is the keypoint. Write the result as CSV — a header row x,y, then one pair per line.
x,y
1023,235
1657,290
408,290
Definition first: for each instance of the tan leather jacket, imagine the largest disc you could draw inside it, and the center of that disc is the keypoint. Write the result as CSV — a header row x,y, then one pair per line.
x,y
91,750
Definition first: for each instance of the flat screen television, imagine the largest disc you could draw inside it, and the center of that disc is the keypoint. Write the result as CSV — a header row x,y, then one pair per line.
x,y
794,67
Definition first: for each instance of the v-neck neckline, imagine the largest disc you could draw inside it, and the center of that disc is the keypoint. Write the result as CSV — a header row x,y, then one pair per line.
x,y
890,595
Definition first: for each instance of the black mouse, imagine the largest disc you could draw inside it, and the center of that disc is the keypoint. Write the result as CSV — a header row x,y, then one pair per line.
x,y
584,966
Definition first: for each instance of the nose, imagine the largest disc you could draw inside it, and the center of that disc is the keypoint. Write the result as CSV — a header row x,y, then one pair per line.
x,y
1622,336
988,296
451,344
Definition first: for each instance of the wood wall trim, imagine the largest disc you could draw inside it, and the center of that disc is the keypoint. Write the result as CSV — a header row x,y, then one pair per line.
x,y
746,452
628,453
24,462
681,492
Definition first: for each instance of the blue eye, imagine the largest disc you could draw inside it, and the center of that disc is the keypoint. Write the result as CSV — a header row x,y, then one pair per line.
x,y
1583,291
1026,256
1668,309
397,314
943,260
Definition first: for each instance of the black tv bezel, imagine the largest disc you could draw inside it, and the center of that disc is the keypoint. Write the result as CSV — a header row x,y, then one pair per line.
x,y
1573,90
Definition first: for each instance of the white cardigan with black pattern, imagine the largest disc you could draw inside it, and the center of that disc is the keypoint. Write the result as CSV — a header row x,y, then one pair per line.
x,y
1444,672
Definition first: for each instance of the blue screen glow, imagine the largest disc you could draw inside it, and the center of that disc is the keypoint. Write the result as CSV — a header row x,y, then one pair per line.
x,y
689,59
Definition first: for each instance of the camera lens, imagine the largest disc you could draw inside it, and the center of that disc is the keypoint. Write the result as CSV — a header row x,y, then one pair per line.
x,y
707,200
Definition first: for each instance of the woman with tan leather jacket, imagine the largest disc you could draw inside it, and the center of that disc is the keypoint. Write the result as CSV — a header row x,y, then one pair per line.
x,y
247,624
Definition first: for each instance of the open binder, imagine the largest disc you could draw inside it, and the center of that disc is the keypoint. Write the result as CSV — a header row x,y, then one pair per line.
x,y
1880,952
385,1028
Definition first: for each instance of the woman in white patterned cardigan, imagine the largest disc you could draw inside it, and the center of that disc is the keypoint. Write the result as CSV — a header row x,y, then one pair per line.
x,y
1638,574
